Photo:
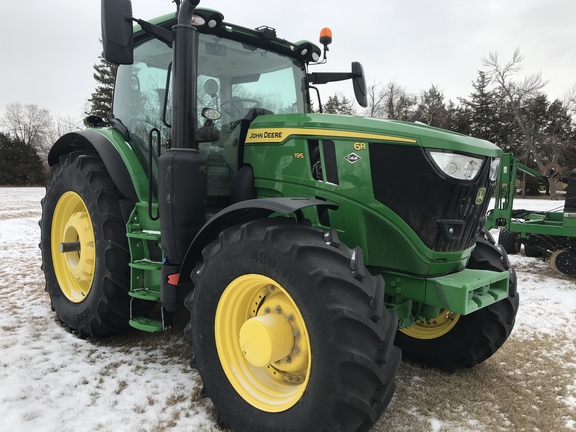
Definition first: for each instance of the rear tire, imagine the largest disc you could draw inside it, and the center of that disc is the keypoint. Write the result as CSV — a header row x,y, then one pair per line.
x,y
340,373
509,241
466,340
88,288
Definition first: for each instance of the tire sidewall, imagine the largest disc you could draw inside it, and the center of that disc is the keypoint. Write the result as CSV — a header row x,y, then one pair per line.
x,y
466,344
75,315
446,351
280,265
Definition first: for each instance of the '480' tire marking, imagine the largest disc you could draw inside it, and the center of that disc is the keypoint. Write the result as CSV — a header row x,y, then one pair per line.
x,y
274,264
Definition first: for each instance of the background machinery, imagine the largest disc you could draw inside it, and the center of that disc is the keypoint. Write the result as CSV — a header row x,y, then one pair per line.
x,y
550,234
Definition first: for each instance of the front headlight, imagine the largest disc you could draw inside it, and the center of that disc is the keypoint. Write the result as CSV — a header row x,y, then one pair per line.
x,y
494,169
458,166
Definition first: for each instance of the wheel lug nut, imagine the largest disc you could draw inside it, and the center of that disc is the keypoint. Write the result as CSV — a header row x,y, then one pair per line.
x,y
290,317
267,310
296,333
278,309
296,350
288,360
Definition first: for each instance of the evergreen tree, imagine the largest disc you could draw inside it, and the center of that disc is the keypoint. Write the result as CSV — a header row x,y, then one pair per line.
x,y
101,100
431,109
489,115
332,106
457,118
562,132
19,163
335,105
346,106
505,131
556,135
398,103
481,108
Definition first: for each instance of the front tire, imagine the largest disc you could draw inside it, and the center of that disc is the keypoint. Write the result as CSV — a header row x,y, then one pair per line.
x,y
457,341
290,331
88,286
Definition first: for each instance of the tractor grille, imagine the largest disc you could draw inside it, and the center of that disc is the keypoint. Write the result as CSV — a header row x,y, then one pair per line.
x,y
407,182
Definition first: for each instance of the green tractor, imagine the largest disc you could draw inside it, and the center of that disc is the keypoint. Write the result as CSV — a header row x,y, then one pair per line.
x,y
310,249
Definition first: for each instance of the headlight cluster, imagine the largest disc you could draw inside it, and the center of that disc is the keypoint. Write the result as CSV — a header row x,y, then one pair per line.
x,y
458,166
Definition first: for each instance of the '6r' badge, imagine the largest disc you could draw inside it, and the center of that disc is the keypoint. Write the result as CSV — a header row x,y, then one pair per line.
x,y
352,158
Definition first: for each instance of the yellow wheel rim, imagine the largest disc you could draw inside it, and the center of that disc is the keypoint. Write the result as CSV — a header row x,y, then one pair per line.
x,y
262,343
433,328
74,270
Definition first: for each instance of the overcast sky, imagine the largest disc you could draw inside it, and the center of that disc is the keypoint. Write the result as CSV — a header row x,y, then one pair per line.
x,y
48,48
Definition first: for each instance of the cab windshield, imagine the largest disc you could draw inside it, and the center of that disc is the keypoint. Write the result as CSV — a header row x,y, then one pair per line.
x,y
233,77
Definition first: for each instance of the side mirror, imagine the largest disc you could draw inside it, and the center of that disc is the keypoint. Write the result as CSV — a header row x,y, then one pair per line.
x,y
359,83
117,37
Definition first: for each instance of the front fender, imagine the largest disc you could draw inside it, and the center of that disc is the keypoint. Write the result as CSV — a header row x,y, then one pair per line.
x,y
239,213
121,162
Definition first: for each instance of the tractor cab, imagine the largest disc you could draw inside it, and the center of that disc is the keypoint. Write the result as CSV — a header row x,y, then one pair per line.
x,y
240,74
236,79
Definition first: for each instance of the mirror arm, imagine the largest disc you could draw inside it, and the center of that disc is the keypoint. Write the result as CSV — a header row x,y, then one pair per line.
x,y
326,77
158,32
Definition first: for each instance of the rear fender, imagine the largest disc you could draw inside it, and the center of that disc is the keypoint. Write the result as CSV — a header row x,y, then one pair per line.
x,y
121,162
239,213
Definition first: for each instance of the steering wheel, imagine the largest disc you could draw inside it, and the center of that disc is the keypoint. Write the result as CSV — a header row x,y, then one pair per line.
x,y
236,107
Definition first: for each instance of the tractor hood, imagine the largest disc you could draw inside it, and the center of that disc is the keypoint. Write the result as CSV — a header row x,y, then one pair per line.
x,y
277,128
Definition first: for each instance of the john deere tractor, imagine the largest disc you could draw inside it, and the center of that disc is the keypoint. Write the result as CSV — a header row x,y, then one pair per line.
x,y
309,248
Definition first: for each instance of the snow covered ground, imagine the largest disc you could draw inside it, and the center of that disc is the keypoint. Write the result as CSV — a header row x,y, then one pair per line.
x,y
52,381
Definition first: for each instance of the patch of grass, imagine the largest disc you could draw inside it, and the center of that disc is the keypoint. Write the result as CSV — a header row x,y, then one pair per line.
x,y
176,398
111,368
121,387
518,389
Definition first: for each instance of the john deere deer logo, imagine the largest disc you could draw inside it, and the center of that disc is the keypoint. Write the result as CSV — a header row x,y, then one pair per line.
x,y
480,195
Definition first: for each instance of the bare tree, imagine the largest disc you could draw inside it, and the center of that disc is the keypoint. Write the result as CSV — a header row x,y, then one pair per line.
x,y
569,100
376,101
65,125
518,92
391,101
30,124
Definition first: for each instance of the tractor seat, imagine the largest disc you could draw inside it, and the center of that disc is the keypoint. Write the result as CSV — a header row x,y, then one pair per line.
x,y
243,182
234,144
